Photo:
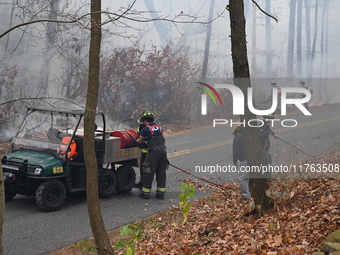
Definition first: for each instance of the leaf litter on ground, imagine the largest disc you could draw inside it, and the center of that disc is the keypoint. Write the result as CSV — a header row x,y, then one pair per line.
x,y
217,225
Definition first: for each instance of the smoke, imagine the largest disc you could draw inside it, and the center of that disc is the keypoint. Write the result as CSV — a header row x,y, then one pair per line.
x,y
6,134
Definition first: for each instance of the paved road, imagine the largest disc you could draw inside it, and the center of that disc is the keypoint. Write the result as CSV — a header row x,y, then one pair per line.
x,y
29,231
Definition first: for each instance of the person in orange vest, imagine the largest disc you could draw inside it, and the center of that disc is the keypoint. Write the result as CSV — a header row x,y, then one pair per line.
x,y
72,151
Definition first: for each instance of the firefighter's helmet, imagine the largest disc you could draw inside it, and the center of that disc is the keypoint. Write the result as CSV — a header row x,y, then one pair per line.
x,y
146,115
238,128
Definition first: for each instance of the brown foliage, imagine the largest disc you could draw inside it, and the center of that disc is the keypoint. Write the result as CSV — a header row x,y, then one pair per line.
x,y
133,78
217,224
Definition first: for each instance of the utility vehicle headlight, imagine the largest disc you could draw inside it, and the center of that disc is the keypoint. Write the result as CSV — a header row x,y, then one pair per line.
x,y
38,170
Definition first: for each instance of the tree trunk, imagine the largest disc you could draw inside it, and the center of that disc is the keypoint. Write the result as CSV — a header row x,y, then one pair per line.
x,y
268,42
253,43
5,61
161,30
316,22
96,220
299,40
2,207
291,35
308,39
327,39
207,42
323,42
253,145
45,87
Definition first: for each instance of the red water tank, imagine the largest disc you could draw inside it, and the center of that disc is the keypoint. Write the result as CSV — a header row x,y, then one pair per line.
x,y
127,138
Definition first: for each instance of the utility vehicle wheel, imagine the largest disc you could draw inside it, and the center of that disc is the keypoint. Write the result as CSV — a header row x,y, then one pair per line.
x,y
9,195
107,184
126,178
9,191
50,195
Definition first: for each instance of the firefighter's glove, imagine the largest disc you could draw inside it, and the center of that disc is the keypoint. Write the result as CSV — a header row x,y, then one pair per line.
x,y
140,128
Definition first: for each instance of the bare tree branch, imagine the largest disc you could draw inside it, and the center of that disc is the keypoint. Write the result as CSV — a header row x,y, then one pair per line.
x,y
163,110
39,21
264,11
192,19
41,98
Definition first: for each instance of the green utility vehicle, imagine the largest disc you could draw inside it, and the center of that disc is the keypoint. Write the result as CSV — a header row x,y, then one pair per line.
x,y
47,158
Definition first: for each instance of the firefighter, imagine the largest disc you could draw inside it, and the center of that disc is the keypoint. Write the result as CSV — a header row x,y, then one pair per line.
x,y
303,85
156,161
239,154
265,131
72,151
144,150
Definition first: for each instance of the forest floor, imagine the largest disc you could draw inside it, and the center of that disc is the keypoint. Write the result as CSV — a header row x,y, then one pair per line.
x,y
305,212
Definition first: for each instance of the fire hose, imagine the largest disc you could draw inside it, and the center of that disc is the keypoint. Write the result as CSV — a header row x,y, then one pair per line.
x,y
202,179
223,186
312,156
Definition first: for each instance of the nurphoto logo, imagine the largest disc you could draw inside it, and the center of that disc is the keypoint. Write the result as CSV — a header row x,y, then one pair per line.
x,y
239,102
204,97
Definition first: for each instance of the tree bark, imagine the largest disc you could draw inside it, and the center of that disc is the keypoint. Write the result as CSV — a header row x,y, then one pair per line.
x,y
323,42
45,87
2,207
207,43
299,39
268,42
316,22
253,44
96,220
291,36
161,30
308,39
253,147
4,57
